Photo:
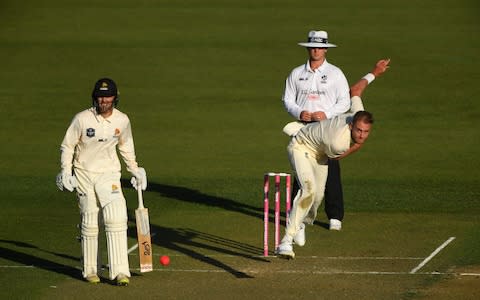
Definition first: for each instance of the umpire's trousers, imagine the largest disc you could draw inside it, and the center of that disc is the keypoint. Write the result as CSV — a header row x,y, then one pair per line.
x,y
334,192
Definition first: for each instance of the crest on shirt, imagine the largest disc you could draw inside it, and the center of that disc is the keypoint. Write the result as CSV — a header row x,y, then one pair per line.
x,y
90,132
115,189
117,132
324,78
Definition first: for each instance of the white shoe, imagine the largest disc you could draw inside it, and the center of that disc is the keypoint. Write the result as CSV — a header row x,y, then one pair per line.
x,y
335,224
299,237
285,249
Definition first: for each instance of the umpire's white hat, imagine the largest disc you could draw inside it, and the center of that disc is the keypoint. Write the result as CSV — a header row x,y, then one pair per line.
x,y
317,39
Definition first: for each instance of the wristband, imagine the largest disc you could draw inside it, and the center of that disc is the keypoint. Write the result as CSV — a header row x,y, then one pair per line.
x,y
369,77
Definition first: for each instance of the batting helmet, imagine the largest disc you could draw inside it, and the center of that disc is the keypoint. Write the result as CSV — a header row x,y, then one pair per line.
x,y
104,87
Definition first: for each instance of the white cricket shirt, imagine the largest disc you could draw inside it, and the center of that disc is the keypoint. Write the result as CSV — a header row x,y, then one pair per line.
x,y
331,137
90,142
324,89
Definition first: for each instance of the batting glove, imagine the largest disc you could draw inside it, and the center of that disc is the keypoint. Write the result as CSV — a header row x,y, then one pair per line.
x,y
139,179
66,181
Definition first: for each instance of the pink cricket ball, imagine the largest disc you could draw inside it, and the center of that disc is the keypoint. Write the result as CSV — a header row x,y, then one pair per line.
x,y
164,260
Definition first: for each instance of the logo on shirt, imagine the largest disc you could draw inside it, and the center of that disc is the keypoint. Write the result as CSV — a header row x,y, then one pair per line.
x,y
117,132
90,132
303,78
115,189
324,79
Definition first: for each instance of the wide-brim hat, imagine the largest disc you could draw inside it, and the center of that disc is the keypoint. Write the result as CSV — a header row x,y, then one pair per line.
x,y
317,39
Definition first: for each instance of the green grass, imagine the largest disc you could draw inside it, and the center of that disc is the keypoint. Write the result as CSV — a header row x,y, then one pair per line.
x,y
202,83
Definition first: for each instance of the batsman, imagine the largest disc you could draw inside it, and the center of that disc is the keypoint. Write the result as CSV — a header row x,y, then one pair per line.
x,y
90,165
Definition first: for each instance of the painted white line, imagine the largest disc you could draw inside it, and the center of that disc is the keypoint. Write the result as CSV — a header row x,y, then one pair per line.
x,y
189,270
375,273
353,272
130,250
469,274
426,260
168,269
357,257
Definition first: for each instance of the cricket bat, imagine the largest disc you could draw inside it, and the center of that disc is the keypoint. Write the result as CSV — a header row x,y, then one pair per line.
x,y
143,235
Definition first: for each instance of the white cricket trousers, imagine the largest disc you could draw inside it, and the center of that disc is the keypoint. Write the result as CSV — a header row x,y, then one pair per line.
x,y
102,191
311,169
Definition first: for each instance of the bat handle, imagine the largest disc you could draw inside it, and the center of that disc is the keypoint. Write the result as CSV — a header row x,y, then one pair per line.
x,y
140,197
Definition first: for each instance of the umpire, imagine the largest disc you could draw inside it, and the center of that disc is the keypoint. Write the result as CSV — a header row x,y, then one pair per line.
x,y
315,91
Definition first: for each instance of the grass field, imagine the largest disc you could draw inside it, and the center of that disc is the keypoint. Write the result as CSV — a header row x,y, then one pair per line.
x,y
202,83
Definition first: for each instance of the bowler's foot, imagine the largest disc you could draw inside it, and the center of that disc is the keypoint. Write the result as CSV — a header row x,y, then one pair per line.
x,y
285,249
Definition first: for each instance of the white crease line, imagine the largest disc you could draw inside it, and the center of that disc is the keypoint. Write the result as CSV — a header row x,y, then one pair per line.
x,y
191,270
375,273
357,257
167,269
469,274
355,272
130,250
426,260
155,253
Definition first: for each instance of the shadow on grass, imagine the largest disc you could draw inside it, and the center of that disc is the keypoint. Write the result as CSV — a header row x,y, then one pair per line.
x,y
38,262
191,243
193,196
324,225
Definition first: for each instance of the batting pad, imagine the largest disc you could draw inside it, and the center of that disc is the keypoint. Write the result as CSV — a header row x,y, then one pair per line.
x,y
115,216
89,231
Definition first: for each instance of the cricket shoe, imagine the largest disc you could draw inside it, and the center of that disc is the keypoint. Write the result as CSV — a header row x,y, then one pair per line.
x,y
335,224
299,237
92,278
285,249
122,280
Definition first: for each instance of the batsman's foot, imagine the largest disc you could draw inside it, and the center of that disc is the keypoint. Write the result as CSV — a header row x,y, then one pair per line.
x,y
92,278
122,280
285,249
299,237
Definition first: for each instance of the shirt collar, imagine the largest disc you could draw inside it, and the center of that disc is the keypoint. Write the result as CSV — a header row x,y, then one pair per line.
x,y
319,69
101,119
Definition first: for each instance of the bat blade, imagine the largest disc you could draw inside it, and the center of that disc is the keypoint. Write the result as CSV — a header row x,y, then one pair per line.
x,y
144,240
